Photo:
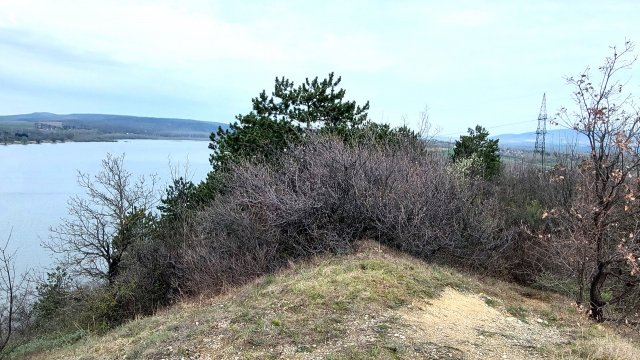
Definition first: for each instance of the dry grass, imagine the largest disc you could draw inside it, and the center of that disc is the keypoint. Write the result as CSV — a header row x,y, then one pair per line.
x,y
375,304
610,347
595,342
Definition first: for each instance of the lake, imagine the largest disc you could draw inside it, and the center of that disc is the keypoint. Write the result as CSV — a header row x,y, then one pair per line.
x,y
37,180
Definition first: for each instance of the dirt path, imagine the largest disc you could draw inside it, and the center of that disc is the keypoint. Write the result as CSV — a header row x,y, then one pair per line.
x,y
464,327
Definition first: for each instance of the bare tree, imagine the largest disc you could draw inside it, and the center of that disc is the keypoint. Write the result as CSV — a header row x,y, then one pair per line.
x,y
426,131
12,296
603,213
102,221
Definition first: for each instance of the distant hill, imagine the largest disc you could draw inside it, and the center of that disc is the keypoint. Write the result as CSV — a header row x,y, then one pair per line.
x,y
555,140
43,126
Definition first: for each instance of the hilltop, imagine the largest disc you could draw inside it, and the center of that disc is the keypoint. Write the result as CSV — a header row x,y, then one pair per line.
x,y
374,303
42,126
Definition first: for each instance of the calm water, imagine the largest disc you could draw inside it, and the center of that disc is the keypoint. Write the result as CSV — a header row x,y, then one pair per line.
x,y
37,180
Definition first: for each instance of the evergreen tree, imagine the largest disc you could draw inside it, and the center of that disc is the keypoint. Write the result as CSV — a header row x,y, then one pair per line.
x,y
482,150
281,120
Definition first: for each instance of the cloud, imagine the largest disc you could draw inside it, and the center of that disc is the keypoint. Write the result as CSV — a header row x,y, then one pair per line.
x,y
33,45
167,34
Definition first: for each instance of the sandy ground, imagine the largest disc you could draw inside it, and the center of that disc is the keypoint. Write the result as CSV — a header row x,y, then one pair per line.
x,y
464,327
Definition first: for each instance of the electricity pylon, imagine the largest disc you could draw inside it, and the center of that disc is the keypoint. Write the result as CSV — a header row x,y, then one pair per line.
x,y
542,130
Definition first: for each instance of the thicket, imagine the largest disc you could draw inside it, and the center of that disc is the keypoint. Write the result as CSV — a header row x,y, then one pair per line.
x,y
325,194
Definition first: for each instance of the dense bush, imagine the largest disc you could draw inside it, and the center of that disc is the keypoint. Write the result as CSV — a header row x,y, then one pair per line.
x,y
324,195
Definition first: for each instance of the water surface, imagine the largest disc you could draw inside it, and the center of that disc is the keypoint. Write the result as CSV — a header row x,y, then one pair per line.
x,y
37,180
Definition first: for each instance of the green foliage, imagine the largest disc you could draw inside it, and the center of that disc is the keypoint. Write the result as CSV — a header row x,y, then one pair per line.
x,y
47,343
533,213
549,281
255,138
491,302
465,169
52,295
524,211
138,226
371,133
61,309
313,103
180,200
100,308
517,311
483,152
607,295
276,123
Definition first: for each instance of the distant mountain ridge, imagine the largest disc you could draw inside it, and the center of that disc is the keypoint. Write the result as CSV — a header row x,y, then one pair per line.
x,y
555,140
108,125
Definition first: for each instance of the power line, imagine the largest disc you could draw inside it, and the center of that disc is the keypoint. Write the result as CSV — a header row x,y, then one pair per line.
x,y
491,127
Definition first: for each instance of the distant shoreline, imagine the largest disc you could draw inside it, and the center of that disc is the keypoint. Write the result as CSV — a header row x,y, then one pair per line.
x,y
100,140
37,128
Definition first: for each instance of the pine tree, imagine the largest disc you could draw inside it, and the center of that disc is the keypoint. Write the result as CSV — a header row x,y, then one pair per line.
x,y
483,151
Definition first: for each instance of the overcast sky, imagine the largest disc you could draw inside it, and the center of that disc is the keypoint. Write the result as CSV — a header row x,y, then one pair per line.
x,y
470,62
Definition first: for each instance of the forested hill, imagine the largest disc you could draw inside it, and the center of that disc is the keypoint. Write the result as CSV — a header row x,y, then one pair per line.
x,y
38,127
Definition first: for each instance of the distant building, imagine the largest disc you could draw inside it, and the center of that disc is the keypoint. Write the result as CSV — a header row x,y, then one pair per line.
x,y
49,125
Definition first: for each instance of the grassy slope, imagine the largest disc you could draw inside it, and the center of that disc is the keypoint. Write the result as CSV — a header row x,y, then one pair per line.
x,y
374,304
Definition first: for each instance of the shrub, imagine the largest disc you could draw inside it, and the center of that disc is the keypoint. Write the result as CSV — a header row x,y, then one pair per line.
x,y
323,195
480,152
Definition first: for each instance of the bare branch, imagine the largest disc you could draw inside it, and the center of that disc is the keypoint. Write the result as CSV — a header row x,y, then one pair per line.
x,y
99,217
601,214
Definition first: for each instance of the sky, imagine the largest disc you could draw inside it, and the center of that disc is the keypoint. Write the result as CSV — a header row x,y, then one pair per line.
x,y
468,62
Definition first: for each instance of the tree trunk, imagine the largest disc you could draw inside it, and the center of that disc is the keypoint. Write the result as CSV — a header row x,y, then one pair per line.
x,y
595,295
114,269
